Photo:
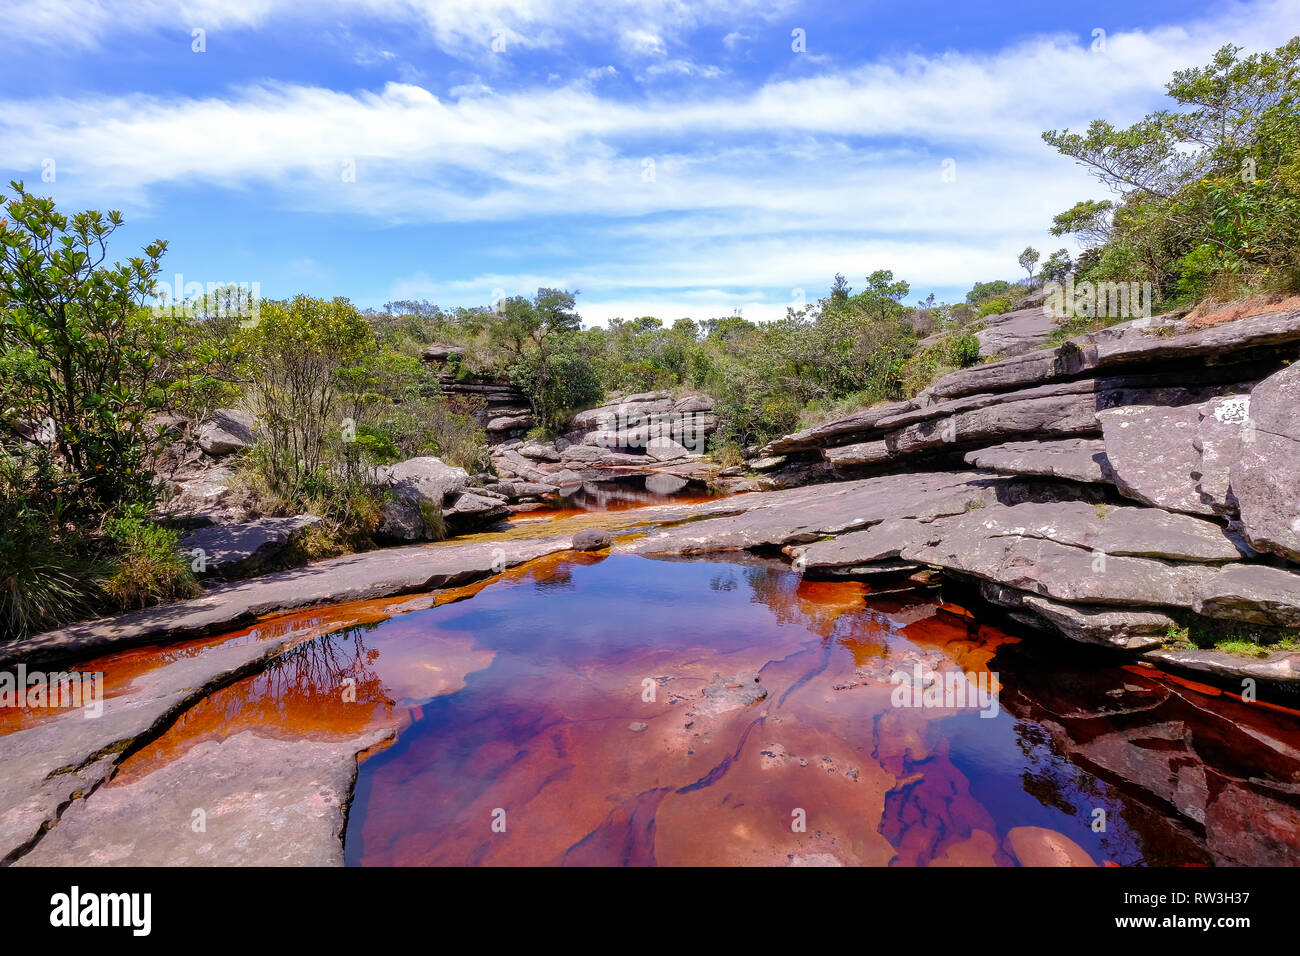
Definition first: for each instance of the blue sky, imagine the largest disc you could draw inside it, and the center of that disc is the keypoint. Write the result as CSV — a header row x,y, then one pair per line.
x,y
662,157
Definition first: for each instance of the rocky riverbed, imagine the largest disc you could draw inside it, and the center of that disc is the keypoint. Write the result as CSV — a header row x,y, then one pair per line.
x,y
1109,504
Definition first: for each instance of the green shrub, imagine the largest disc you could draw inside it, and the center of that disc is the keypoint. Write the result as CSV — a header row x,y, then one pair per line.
x,y
147,567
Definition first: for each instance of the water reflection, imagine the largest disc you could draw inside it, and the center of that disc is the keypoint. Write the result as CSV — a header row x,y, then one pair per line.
x,y
630,711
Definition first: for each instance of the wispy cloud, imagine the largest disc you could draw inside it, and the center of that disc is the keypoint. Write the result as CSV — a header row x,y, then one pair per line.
x,y
710,186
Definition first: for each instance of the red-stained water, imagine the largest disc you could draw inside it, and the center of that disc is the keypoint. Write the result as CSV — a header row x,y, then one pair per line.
x,y
587,710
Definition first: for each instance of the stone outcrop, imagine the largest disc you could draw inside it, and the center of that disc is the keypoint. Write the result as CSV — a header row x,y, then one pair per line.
x,y
1180,442
500,408
420,487
1265,472
649,440
234,549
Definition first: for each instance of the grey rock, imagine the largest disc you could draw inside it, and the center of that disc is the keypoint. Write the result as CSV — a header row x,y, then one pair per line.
x,y
1250,592
1219,434
233,548
1281,666
693,403
538,451
592,540
1017,332
1124,628
829,433
859,453
471,506
1076,459
1060,571
665,449
1153,455
269,803
228,430
417,485
507,423
1266,475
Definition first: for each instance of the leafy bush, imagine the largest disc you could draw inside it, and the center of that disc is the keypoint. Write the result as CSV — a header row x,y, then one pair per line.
x,y
146,566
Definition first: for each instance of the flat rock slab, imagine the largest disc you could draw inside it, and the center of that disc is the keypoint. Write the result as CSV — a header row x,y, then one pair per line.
x,y
1266,475
266,802
1075,459
46,765
353,577
803,515
1063,572
832,432
1014,333
1152,451
245,546
1129,629
1255,593
1111,529
1282,666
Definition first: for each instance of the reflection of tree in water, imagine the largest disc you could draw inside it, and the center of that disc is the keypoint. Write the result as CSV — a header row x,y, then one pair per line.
x,y
1134,833
723,581
317,669
793,600
1059,785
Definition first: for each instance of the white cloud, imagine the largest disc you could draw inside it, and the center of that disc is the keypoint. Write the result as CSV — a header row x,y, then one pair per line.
x,y
459,27
757,189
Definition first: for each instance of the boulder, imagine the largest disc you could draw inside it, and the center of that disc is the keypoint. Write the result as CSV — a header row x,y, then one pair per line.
x,y
239,548
584,453
1266,474
1038,846
507,423
859,453
228,430
592,540
469,506
441,352
665,449
417,485
693,403
538,451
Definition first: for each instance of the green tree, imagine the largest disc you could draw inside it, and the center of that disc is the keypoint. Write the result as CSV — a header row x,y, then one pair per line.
x,y
1028,259
1210,189
1057,266
78,351
304,355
